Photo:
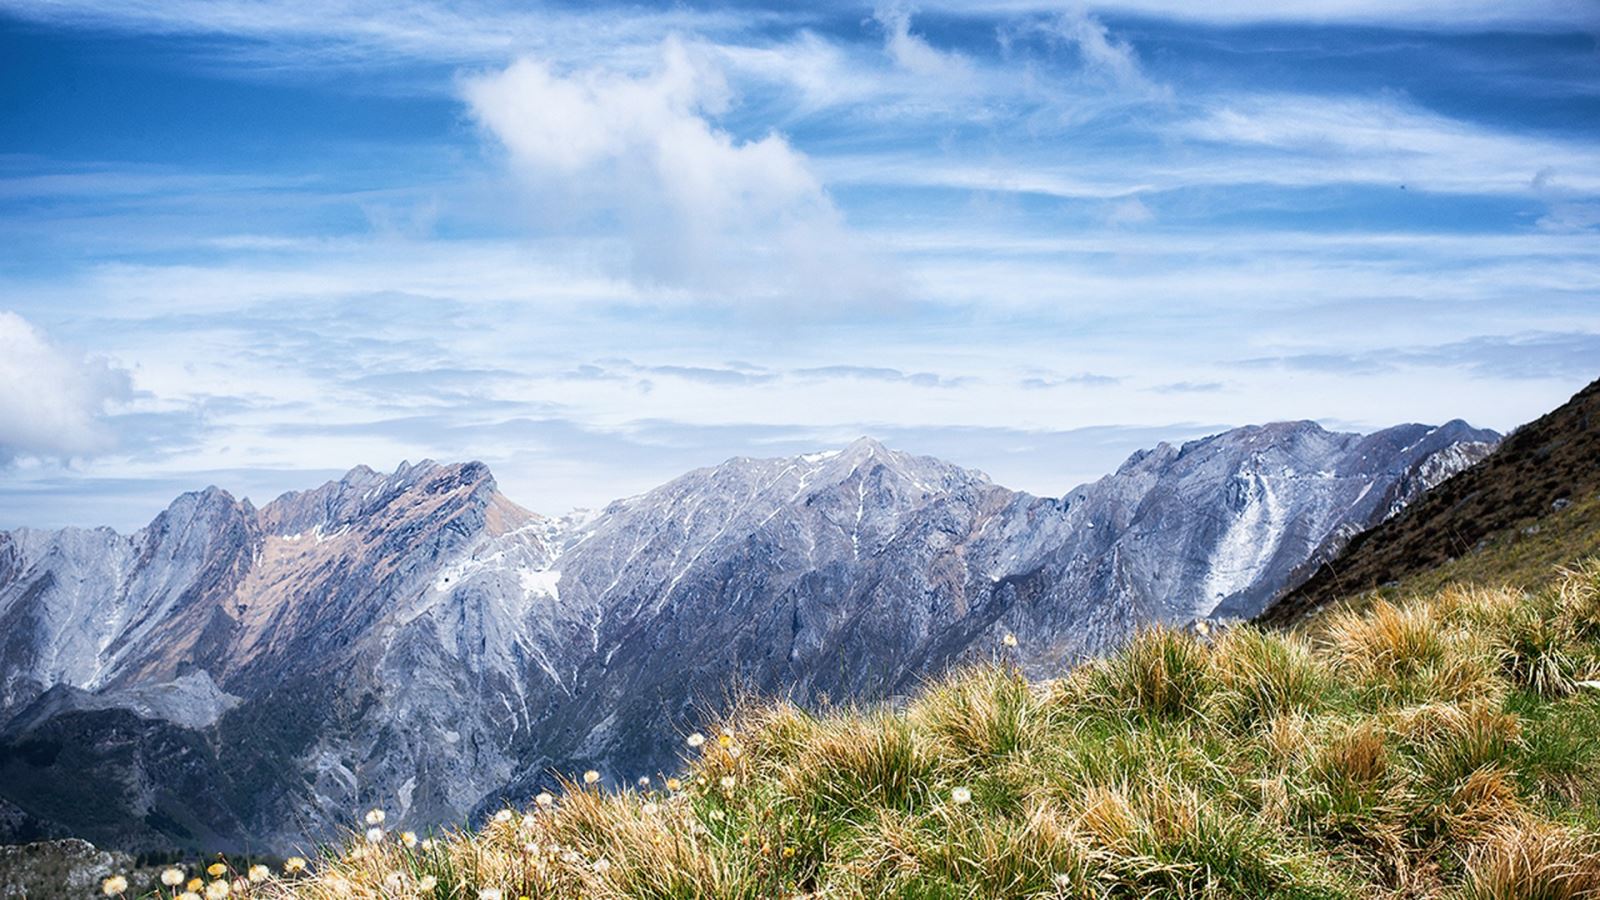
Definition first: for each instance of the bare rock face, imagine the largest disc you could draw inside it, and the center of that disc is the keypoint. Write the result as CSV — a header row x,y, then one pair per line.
x,y
241,678
69,868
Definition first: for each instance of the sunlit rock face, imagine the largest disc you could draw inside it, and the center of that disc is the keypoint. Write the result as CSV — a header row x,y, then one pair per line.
x,y
232,676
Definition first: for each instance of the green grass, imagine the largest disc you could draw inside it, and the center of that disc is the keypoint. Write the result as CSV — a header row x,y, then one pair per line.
x,y
1444,746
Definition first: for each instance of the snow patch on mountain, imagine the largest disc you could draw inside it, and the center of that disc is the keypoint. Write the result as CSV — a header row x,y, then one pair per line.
x,y
540,583
1247,545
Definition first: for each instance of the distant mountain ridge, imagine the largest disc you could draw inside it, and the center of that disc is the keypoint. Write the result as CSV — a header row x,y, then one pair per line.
x,y
416,639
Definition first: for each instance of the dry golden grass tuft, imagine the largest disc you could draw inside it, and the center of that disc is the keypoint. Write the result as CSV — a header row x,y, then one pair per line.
x,y
1533,860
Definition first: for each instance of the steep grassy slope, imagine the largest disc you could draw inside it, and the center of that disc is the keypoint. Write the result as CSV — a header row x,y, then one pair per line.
x,y
1444,748
1542,483
1529,554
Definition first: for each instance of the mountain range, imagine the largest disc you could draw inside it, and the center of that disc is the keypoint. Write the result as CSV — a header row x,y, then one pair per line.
x,y
233,677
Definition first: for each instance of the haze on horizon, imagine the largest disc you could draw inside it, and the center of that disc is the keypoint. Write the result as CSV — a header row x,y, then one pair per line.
x,y
256,244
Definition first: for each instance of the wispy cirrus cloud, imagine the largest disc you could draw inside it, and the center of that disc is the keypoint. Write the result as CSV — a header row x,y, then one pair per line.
x,y
1292,142
1385,140
912,52
1469,15
1188,387
1105,57
363,33
1081,379
1536,355
884,373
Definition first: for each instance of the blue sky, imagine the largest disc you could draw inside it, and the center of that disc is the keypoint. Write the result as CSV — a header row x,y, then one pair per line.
x,y
255,244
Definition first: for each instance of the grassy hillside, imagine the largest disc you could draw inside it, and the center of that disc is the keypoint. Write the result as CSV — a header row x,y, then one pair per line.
x,y
1442,748
1529,553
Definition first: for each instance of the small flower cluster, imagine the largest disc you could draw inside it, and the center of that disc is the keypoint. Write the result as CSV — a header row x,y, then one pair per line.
x,y
216,881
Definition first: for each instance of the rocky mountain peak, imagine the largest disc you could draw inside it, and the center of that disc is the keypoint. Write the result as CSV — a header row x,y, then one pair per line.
x,y
1282,438
363,492
197,527
1153,459
908,472
862,448
209,504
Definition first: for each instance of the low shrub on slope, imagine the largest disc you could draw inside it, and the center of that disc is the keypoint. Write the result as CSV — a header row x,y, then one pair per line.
x,y
1449,747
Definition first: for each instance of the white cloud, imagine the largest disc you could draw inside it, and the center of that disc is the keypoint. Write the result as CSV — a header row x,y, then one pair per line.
x,y
355,33
1131,211
1283,140
701,208
1566,215
1384,139
1461,15
912,52
1104,56
351,33
52,400
818,71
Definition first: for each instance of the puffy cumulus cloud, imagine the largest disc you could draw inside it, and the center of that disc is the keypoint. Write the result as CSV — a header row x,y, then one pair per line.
x,y
52,400
700,208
